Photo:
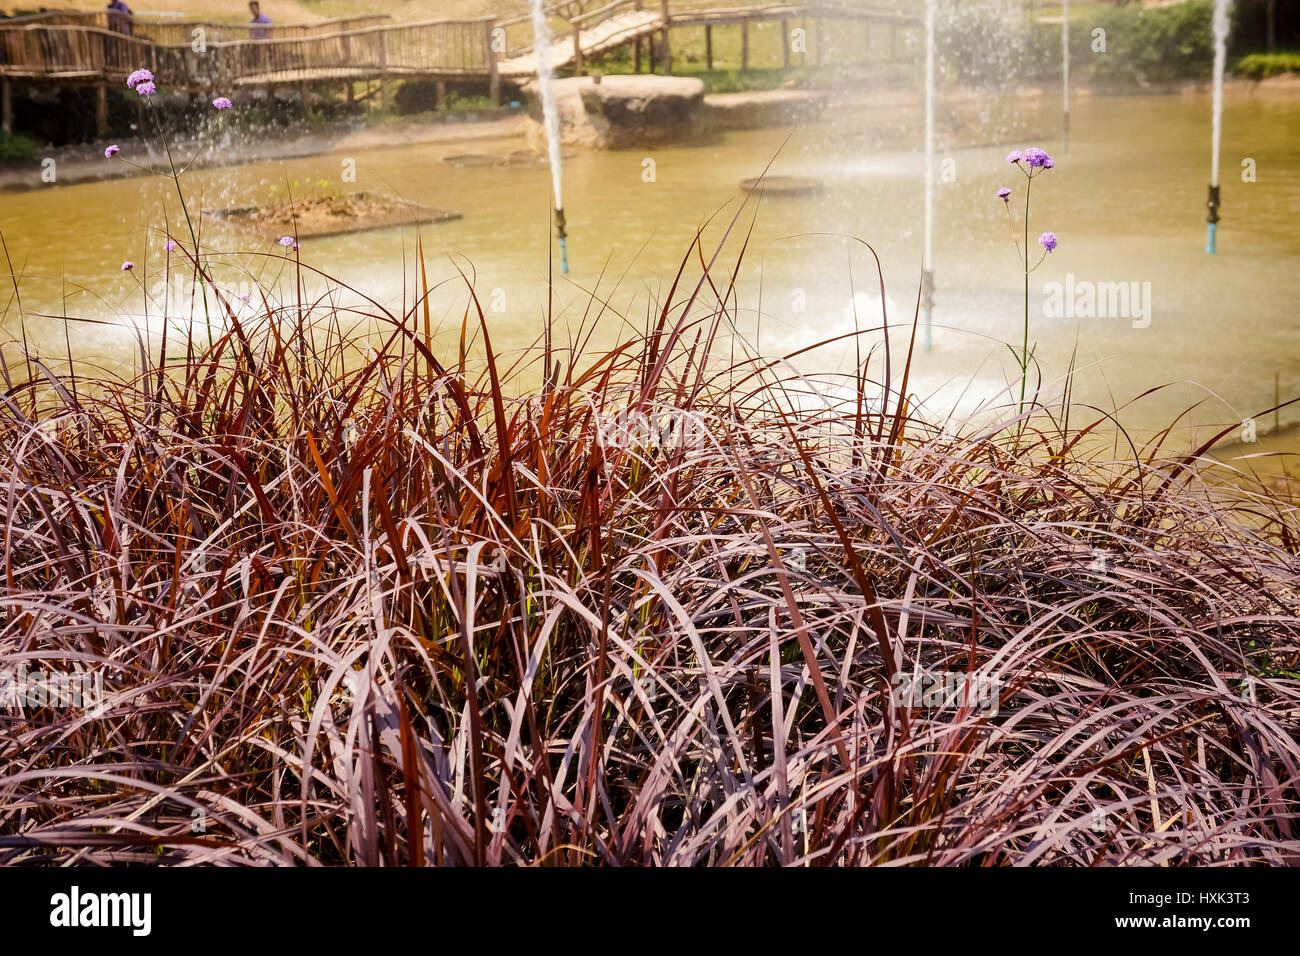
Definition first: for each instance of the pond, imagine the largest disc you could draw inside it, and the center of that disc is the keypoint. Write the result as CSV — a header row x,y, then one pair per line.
x,y
1127,201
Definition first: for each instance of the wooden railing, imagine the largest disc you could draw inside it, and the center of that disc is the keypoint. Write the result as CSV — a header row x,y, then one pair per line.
x,y
563,10
42,47
441,47
53,51
182,32
594,18
435,47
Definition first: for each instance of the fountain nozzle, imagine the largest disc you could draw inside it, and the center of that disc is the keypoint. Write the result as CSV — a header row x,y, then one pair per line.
x,y
927,305
562,236
1212,220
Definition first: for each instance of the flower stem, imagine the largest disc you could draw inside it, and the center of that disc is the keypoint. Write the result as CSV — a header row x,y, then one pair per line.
x,y
176,178
1024,349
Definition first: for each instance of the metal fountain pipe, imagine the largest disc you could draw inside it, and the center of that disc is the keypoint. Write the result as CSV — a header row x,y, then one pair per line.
x,y
562,237
1220,26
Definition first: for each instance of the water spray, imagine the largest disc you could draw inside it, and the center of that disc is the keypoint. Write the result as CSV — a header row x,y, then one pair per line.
x,y
1065,74
927,276
1220,56
551,118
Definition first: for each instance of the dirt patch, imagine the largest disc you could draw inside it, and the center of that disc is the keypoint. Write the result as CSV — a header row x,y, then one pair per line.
x,y
318,216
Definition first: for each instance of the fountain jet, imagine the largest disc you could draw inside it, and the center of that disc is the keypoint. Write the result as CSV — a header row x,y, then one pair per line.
x,y
927,293
551,116
1220,56
1065,73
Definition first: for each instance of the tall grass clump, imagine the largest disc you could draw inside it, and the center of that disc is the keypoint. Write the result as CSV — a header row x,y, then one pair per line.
x,y
384,602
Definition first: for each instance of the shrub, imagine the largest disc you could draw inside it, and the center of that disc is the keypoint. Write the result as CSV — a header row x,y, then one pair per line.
x,y
1260,66
402,606
17,148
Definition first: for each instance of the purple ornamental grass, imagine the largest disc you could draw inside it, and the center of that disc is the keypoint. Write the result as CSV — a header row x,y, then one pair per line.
x,y
1119,692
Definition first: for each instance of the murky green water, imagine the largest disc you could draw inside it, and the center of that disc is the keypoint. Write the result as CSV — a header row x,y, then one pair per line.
x,y
1127,203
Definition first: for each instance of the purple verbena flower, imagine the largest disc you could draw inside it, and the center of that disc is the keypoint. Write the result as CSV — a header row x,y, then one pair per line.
x,y
112,151
128,266
1004,194
146,88
138,77
288,242
222,103
244,296
1015,156
1037,157
170,246
1048,241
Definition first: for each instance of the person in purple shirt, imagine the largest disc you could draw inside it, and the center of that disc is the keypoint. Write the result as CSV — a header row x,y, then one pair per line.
x,y
256,31
119,17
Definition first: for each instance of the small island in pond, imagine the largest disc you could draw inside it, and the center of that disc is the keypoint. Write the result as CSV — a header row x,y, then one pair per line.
x,y
316,216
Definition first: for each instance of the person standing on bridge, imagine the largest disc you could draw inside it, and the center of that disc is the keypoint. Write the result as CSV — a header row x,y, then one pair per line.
x,y
257,30
119,17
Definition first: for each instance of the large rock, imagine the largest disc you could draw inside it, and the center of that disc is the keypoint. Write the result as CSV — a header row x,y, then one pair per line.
x,y
575,129
619,111
633,110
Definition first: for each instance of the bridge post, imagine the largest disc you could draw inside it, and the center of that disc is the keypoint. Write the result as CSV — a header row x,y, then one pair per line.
x,y
668,47
494,71
744,45
708,45
636,45
6,106
101,110
577,51
383,70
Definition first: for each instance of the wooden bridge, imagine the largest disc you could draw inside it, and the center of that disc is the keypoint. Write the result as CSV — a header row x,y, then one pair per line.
x,y
102,47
